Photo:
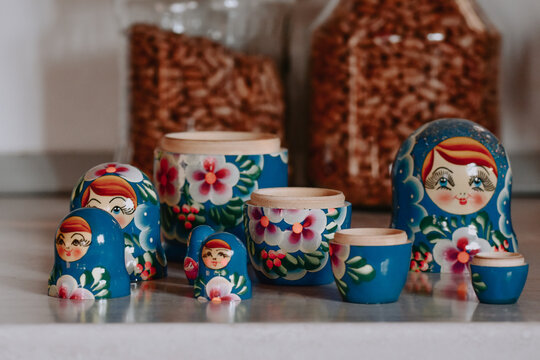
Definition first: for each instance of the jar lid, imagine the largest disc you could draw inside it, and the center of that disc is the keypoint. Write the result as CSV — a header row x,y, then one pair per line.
x,y
297,198
220,143
498,259
370,237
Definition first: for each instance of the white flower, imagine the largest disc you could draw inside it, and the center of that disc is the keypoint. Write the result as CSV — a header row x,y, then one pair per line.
x,y
67,288
212,179
306,231
128,172
220,289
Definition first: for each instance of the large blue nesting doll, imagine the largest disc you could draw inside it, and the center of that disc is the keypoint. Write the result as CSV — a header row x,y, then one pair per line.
x,y
195,239
130,197
89,257
222,272
451,183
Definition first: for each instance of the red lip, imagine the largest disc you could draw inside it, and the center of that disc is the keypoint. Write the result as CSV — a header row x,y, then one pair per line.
x,y
463,201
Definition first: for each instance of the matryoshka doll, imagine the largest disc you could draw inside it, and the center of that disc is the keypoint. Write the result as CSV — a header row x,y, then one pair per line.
x,y
195,239
89,257
222,272
451,194
130,197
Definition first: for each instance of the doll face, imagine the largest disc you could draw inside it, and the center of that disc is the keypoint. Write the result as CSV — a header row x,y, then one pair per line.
x,y
216,258
121,208
459,189
71,246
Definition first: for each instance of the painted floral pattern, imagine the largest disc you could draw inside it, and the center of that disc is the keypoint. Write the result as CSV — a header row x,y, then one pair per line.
x,y
169,178
290,243
67,288
212,180
338,255
454,256
92,284
221,289
128,172
262,227
421,259
305,233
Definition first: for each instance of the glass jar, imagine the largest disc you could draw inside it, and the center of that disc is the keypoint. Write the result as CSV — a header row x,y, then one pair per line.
x,y
200,65
382,68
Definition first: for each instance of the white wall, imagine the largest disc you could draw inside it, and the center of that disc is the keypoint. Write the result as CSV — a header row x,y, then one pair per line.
x,y
59,82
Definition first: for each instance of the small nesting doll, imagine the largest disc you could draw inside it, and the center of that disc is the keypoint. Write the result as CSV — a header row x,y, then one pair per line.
x,y
195,239
222,269
89,257
451,194
129,196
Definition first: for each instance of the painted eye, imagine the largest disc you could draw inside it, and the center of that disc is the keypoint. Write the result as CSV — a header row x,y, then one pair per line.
x,y
75,243
116,210
60,241
443,182
477,182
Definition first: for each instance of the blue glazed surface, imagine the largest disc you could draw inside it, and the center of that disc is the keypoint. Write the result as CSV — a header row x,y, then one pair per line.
x,y
436,230
189,207
499,285
195,240
100,273
144,254
371,274
228,282
280,261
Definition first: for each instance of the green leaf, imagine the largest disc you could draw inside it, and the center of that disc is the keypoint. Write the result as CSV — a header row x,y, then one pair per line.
x,y
478,284
430,224
332,227
289,261
324,246
433,237
362,274
280,270
342,286
497,237
483,220
311,262
356,262
317,254
453,222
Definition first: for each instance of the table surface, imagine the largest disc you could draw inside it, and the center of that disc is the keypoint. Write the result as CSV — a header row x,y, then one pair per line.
x,y
443,303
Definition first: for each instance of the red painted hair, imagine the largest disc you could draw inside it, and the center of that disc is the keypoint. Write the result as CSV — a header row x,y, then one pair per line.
x,y
73,224
460,151
217,243
110,185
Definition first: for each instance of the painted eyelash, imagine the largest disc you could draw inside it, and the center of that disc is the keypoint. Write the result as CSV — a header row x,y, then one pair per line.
x,y
126,210
431,182
488,185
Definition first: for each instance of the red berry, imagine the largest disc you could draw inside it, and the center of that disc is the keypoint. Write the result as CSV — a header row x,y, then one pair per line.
x,y
506,244
185,209
277,262
269,264
182,217
139,267
144,275
147,265
264,254
194,210
280,255
272,255
176,209
417,255
188,225
191,217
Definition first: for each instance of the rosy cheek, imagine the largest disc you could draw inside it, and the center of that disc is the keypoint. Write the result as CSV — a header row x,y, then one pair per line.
x,y
445,198
478,199
60,250
224,262
77,252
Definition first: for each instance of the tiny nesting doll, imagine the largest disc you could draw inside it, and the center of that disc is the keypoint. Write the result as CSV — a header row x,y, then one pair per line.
x,y
451,194
129,196
89,257
195,239
222,269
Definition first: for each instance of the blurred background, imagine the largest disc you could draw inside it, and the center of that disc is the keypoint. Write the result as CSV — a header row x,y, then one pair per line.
x,y
60,87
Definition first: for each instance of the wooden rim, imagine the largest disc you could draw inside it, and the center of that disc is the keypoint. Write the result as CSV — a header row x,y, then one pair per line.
x,y
370,237
220,143
498,259
297,198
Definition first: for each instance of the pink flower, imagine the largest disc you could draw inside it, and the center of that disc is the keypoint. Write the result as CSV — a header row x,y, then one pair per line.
x,y
128,172
191,268
67,288
212,179
454,256
168,180
219,289
261,228
306,231
338,255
